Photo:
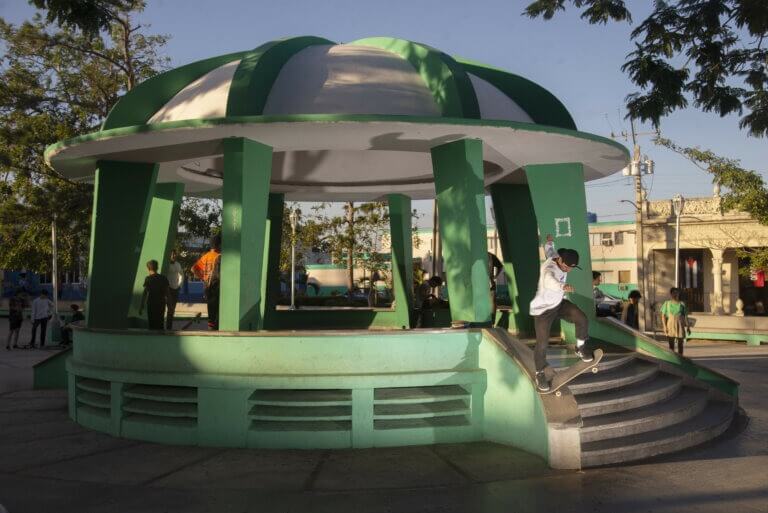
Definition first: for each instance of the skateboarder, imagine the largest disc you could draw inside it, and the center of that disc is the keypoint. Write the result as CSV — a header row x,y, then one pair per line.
x,y
550,305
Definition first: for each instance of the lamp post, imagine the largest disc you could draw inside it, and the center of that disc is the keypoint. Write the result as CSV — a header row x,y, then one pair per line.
x,y
678,203
294,218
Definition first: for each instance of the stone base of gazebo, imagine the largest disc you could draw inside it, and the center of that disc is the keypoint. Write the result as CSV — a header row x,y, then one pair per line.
x,y
332,389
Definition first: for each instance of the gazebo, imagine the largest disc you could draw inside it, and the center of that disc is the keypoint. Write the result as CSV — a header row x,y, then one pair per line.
x,y
305,118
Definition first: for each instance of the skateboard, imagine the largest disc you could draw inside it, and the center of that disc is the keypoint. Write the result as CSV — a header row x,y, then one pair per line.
x,y
564,377
193,319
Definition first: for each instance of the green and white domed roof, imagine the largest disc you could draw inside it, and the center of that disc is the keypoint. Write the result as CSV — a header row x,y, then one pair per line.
x,y
346,121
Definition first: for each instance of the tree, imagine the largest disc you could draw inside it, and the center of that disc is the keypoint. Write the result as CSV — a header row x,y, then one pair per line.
x,y
353,237
90,16
56,84
745,191
713,52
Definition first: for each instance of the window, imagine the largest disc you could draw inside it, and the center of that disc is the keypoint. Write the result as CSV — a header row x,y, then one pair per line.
x,y
594,239
618,238
625,276
607,276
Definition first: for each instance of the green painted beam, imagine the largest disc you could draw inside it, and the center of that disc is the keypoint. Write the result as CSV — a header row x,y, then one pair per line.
x,y
258,70
541,105
518,236
247,172
458,172
402,256
159,237
144,100
123,193
559,200
446,79
272,243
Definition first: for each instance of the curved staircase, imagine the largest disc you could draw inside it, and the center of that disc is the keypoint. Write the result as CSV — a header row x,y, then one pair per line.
x,y
636,408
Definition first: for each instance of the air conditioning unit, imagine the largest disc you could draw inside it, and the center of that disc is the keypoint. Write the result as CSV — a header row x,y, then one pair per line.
x,y
607,242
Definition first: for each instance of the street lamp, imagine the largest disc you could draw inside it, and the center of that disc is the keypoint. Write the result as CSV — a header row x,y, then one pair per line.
x,y
294,218
678,203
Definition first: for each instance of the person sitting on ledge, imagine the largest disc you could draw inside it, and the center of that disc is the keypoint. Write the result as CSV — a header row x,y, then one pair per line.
x,y
66,330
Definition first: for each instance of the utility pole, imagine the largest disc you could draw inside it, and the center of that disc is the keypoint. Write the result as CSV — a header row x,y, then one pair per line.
x,y
637,168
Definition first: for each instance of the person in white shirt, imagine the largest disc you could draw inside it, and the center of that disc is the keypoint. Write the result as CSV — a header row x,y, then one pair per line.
x,y
42,311
550,305
175,276
549,247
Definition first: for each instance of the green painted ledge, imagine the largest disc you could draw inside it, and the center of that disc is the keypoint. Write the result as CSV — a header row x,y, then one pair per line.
x,y
612,332
752,339
51,372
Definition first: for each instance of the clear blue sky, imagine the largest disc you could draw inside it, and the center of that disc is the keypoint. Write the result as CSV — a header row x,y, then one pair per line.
x,y
577,62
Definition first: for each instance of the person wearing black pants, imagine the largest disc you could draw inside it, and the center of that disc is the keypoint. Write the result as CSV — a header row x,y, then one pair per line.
x,y
155,297
549,305
42,311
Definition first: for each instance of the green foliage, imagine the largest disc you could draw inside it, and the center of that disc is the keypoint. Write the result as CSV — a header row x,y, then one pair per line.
x,y
57,84
90,16
712,52
744,191
199,220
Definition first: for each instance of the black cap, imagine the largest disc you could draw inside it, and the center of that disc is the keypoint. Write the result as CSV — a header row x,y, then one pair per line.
x,y
570,257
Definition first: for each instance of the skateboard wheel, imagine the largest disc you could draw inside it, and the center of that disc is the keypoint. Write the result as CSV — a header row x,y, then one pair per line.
x,y
594,370
558,393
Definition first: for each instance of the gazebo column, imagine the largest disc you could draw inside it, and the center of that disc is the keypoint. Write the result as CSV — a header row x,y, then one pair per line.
x,y
458,172
559,200
402,256
270,279
518,237
717,281
123,193
159,237
247,171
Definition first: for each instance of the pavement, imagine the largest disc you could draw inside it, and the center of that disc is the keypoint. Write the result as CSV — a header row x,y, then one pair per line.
x,y
48,463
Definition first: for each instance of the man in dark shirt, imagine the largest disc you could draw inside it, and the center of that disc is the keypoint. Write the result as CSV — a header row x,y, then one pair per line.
x,y
155,296
66,330
495,267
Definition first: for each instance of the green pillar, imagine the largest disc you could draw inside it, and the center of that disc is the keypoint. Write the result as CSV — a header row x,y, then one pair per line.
x,y
159,238
518,236
557,191
458,171
122,198
247,171
271,276
402,256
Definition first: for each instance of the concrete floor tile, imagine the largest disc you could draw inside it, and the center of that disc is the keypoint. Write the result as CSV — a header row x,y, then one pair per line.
x,y
132,465
485,461
52,450
252,469
397,467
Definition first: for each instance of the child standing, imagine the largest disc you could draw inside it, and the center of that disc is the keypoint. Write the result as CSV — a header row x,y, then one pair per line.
x,y
674,317
15,318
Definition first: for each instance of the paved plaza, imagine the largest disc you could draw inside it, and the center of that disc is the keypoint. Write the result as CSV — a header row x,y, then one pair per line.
x,y
49,463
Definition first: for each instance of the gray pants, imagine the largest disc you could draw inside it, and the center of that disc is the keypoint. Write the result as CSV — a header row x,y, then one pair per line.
x,y
566,311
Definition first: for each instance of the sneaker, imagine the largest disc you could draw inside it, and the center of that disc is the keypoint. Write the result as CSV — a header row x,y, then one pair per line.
x,y
542,383
585,354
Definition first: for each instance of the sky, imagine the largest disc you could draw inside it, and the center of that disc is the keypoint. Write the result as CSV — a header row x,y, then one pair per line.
x,y
579,63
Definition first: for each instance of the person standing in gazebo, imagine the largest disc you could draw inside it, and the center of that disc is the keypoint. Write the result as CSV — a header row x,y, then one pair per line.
x,y
208,269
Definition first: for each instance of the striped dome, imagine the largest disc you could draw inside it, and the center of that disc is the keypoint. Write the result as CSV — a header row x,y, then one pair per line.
x,y
311,75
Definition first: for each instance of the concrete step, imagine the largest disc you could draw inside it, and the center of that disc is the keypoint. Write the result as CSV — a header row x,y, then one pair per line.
x,y
609,361
710,423
685,405
617,377
662,387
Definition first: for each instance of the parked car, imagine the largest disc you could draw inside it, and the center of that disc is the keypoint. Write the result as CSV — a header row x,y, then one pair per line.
x,y
609,306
